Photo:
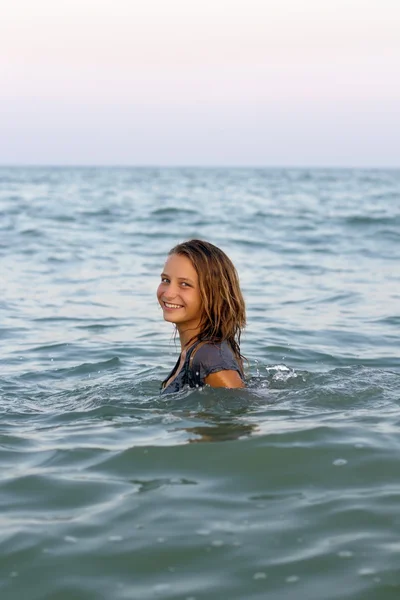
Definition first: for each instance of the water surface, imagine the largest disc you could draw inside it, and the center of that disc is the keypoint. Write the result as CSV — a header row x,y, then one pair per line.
x,y
287,490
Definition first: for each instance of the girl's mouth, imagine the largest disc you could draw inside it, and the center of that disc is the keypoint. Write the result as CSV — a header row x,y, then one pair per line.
x,y
172,306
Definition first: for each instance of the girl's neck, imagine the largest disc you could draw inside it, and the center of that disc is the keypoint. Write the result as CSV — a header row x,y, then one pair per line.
x,y
187,337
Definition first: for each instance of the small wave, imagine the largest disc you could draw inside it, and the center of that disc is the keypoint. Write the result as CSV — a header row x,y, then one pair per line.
x,y
359,220
104,212
86,368
31,233
64,218
172,212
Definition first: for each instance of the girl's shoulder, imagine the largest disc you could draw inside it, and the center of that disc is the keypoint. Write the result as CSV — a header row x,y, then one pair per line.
x,y
210,357
213,350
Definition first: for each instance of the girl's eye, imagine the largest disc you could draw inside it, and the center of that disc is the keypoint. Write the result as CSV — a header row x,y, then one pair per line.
x,y
183,283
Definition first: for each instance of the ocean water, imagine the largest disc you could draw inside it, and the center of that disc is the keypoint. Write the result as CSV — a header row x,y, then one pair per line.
x,y
286,490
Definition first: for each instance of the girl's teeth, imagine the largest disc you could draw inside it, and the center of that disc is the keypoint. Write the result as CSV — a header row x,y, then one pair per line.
x,y
172,305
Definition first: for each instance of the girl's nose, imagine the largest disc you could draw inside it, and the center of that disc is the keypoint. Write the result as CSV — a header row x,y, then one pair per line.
x,y
171,292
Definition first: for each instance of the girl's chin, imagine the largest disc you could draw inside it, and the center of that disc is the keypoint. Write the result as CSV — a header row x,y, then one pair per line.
x,y
169,316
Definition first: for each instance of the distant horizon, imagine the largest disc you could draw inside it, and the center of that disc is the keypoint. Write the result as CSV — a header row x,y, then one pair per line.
x,y
199,166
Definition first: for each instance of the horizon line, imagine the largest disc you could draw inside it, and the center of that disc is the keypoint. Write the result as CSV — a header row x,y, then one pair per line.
x,y
191,166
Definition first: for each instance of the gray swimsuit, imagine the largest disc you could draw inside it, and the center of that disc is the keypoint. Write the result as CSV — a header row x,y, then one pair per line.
x,y
209,358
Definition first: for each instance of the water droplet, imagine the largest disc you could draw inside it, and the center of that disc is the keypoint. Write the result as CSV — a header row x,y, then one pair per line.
x,y
339,462
160,540
14,574
217,543
260,575
70,539
292,579
115,538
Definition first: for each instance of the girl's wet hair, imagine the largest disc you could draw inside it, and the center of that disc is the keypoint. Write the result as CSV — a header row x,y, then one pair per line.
x,y
224,312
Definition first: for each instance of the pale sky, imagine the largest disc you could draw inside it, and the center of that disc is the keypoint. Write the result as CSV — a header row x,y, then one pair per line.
x,y
200,82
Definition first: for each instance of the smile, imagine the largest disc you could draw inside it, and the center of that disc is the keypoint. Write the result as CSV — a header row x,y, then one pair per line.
x,y
168,305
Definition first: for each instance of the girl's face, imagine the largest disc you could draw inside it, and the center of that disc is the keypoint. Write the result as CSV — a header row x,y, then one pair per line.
x,y
179,294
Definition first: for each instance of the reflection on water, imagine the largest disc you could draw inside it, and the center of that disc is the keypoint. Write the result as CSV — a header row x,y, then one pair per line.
x,y
220,432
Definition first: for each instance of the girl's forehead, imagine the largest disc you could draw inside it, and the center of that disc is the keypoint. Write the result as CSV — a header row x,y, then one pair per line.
x,y
180,266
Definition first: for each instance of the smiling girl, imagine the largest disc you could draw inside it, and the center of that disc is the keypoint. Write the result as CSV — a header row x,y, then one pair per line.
x,y
200,294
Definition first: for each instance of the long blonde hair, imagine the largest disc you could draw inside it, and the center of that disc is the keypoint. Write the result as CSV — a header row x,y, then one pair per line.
x,y
224,312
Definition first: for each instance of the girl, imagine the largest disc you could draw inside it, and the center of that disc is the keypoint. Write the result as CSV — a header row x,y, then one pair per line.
x,y
199,292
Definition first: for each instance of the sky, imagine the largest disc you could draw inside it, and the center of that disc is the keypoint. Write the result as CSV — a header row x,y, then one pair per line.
x,y
200,82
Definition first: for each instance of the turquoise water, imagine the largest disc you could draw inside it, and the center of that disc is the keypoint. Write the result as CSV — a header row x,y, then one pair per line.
x,y
287,490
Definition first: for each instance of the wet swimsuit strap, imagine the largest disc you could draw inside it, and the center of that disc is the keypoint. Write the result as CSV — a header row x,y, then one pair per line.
x,y
189,377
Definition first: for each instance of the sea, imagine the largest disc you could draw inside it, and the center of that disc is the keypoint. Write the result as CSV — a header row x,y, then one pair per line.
x,y
288,489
